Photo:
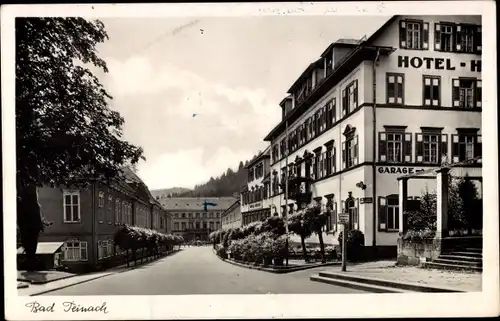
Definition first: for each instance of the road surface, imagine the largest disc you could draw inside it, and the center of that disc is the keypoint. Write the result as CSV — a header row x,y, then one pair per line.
x,y
196,270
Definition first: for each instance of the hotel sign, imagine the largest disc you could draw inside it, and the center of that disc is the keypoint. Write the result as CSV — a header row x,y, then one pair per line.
x,y
399,170
437,63
255,205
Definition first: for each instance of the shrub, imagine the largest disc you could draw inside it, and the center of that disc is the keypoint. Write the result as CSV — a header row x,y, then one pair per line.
x,y
419,236
355,244
221,251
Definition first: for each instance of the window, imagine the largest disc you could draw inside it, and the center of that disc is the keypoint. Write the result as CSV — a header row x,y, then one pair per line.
x,y
466,146
204,225
388,213
183,225
331,224
350,149
413,35
467,93
161,222
450,37
183,215
395,89
109,214
75,251
331,113
190,225
328,160
197,225
350,98
431,147
71,204
352,206
103,249
117,211
395,146
176,226
100,210
432,90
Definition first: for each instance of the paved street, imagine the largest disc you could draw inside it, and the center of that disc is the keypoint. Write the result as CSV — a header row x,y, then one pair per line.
x,y
196,270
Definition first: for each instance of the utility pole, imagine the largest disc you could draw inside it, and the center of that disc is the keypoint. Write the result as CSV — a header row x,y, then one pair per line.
x,y
286,189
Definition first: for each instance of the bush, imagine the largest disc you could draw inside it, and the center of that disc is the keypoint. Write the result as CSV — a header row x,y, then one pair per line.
x,y
221,251
355,244
419,236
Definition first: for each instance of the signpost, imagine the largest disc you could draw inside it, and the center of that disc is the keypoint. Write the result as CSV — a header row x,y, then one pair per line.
x,y
344,220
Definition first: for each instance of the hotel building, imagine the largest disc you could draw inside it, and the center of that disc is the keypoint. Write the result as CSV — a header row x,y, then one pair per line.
x,y
255,202
189,219
404,100
85,220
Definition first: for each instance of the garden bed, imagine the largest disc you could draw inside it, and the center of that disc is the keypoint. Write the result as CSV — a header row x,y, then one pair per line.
x,y
292,267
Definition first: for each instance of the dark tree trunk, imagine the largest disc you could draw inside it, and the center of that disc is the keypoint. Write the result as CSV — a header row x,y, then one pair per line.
x,y
127,258
29,221
304,250
322,246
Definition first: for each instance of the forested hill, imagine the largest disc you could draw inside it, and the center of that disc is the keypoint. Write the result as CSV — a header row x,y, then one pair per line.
x,y
227,184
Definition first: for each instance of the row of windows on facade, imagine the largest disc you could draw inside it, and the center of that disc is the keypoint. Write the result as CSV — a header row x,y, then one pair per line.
x,y
255,216
448,37
395,146
121,211
256,172
256,194
197,215
231,218
466,93
75,250
196,225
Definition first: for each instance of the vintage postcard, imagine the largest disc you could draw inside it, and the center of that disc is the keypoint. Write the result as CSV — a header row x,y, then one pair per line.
x,y
241,160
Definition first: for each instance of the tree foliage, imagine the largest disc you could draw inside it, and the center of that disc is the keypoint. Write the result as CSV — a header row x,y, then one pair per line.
x,y
66,134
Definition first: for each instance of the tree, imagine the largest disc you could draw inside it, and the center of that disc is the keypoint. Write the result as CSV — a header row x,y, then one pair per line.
x,y
66,132
297,225
316,219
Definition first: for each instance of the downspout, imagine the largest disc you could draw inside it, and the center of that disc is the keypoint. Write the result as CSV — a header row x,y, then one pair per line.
x,y
374,149
94,261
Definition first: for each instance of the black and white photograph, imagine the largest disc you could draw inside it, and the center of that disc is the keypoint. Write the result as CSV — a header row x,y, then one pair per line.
x,y
250,160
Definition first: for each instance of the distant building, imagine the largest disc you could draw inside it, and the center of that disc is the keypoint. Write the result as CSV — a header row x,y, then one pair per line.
x,y
189,219
255,203
231,217
84,220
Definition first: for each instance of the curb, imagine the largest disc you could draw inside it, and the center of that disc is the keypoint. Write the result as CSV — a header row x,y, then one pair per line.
x,y
72,284
370,281
45,282
280,270
22,286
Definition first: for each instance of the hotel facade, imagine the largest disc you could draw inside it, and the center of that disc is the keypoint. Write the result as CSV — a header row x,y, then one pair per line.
x,y
405,100
255,195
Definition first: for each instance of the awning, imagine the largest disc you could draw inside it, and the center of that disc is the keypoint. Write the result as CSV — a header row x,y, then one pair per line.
x,y
44,248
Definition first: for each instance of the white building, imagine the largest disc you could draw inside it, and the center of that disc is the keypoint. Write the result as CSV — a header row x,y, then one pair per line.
x,y
255,202
369,111
231,218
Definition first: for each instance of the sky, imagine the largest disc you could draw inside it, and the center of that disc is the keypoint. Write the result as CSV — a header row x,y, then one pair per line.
x,y
230,72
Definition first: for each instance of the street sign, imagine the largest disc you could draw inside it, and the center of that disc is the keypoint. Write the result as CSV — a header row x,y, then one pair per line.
x,y
366,200
343,218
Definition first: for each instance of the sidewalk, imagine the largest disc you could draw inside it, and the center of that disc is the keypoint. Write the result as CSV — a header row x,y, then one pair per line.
x,y
387,270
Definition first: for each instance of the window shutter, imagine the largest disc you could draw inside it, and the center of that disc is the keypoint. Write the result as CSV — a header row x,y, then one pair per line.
x,y
444,145
355,88
479,93
344,103
437,37
343,155
356,214
382,147
455,148
479,40
402,34
478,147
334,217
334,160
458,41
425,38
382,214
407,148
356,154
419,148
456,93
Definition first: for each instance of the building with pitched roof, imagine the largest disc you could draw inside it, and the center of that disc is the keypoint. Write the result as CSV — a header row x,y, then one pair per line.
x,y
406,99
231,218
84,220
189,218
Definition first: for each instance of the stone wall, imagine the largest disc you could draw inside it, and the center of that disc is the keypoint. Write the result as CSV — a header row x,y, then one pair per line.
x,y
412,253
